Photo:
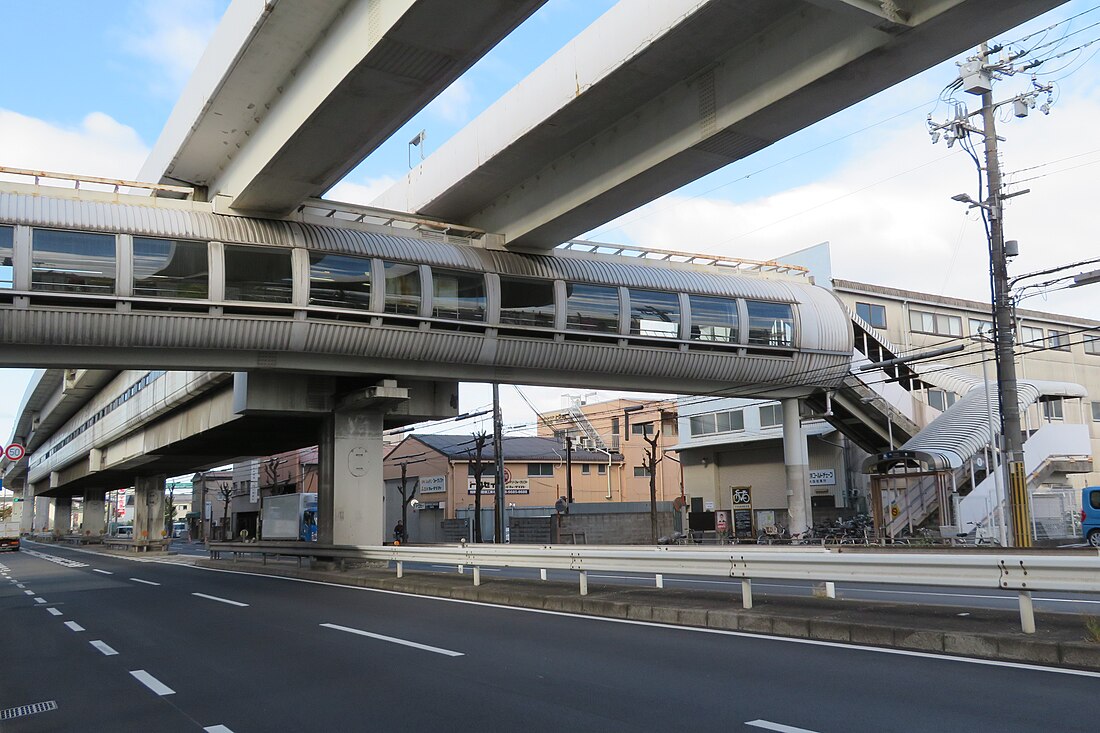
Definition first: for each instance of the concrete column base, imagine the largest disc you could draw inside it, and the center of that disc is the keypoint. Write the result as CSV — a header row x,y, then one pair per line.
x,y
62,515
149,510
93,521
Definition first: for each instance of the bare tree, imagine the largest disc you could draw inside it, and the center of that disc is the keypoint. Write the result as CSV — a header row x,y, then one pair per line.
x,y
225,493
406,495
650,464
169,509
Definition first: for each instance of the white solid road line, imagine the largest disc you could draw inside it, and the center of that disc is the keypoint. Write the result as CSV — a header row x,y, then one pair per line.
x,y
54,611
105,572
146,582
402,642
74,626
217,729
107,651
152,682
221,600
768,725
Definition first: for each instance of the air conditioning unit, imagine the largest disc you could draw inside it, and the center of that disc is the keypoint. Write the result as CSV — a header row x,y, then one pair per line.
x,y
583,443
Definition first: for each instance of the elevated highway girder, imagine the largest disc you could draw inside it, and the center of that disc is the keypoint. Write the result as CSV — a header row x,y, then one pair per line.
x,y
292,94
655,95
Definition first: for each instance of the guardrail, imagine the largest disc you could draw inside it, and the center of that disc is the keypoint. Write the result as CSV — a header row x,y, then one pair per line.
x,y
1023,573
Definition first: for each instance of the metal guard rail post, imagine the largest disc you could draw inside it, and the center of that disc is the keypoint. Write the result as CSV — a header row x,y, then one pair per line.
x,y
1023,573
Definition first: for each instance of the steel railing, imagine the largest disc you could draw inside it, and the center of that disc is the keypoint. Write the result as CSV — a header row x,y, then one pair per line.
x,y
1005,570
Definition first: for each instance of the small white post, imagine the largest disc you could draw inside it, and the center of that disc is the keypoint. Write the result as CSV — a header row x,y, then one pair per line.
x,y
660,581
830,589
461,569
1027,612
542,574
746,593
477,575
584,583
400,569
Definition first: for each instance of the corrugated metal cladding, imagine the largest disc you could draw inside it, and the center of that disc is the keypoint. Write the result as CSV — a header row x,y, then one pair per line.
x,y
141,220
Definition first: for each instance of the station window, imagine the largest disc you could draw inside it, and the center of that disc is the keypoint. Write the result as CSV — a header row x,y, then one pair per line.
x,y
771,415
7,253
980,327
526,302
1052,409
339,281
653,313
873,313
1032,337
540,469
458,295
258,274
941,399
78,262
1058,340
716,422
770,324
713,319
592,308
402,288
1092,344
935,323
171,268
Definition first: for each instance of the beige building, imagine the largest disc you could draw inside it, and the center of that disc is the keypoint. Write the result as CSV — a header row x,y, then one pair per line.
x,y
622,426
440,468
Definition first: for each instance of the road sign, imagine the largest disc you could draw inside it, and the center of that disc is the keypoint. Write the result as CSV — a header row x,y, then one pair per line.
x,y
742,495
14,452
894,511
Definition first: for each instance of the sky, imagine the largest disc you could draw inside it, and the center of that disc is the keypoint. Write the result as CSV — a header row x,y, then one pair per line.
x,y
868,180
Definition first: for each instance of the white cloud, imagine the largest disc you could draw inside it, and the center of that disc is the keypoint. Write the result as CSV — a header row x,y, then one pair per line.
x,y
170,36
98,146
453,105
888,215
359,193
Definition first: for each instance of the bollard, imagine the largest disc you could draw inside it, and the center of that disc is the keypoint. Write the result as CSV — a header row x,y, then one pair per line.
x,y
1027,612
660,581
584,583
746,593
477,575
542,574
400,569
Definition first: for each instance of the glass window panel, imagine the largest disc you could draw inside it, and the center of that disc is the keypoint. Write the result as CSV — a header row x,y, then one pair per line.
x,y
540,469
722,420
458,295
641,472
78,262
402,288
979,327
949,325
526,302
7,253
1031,337
771,416
641,428
937,399
701,424
592,308
713,319
874,314
1096,411
654,313
1058,340
1092,344
602,469
339,281
1094,499
258,274
1052,409
770,324
171,268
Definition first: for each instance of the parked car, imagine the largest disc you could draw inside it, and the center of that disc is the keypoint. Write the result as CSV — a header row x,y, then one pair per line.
x,y
125,533
1090,515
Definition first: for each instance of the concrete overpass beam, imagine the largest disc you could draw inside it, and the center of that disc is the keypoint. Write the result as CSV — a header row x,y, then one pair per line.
x,y
148,509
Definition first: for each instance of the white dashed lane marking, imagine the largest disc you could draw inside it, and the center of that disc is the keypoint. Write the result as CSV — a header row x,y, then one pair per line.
x,y
54,611
74,626
152,682
146,582
221,600
107,651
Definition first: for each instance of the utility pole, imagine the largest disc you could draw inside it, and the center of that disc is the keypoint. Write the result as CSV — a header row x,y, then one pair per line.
x,y
976,76
498,452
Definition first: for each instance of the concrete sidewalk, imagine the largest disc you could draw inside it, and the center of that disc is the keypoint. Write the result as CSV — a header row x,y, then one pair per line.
x,y
1060,639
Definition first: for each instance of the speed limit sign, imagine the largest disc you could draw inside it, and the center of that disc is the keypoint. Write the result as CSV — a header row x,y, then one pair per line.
x,y
14,452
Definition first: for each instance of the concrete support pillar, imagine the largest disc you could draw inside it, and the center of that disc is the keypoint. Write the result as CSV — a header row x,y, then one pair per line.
x,y
63,515
350,496
41,521
26,523
148,509
796,463
93,521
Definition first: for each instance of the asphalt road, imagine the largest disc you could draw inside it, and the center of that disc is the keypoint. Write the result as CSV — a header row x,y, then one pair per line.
x,y
197,649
